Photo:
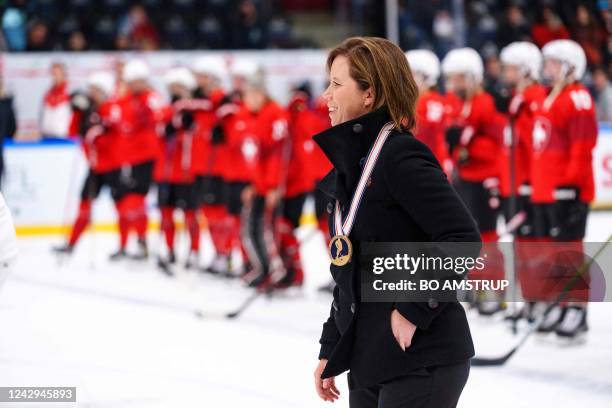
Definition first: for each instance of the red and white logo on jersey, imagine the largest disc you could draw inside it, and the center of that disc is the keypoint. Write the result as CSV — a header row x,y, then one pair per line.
x,y
435,111
542,130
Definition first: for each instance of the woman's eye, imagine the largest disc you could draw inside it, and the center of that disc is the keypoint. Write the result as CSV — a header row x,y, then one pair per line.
x,y
335,83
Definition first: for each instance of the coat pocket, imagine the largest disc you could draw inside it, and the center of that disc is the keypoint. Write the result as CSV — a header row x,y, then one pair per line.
x,y
391,337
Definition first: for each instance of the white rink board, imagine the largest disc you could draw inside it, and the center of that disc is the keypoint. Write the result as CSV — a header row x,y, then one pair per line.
x,y
602,165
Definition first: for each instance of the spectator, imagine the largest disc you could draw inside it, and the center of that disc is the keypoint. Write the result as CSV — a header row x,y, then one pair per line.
x,y
603,95
443,31
14,26
411,35
513,28
39,38
589,34
76,41
136,31
8,126
548,28
249,30
56,111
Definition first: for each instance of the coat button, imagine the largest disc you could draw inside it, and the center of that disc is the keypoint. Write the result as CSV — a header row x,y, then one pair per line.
x,y
357,128
369,183
362,162
335,305
330,208
432,303
353,308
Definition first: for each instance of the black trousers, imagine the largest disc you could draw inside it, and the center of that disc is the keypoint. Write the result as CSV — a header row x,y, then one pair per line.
x,y
257,224
478,200
433,387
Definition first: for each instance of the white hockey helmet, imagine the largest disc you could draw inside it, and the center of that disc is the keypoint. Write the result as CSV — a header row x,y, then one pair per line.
x,y
571,55
180,76
135,69
425,63
525,55
243,67
103,80
210,65
463,61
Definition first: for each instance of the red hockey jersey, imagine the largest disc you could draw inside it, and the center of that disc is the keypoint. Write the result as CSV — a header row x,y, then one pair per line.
x,y
522,110
308,163
431,124
479,148
177,160
270,127
142,116
564,135
102,136
241,146
209,159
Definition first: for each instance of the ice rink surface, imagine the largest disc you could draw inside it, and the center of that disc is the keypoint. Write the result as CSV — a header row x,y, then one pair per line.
x,y
126,336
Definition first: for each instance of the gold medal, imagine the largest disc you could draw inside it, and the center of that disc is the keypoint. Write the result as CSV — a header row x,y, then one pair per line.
x,y
340,250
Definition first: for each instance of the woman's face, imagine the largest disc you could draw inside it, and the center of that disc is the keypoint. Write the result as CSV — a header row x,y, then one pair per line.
x,y
345,100
459,84
254,99
553,70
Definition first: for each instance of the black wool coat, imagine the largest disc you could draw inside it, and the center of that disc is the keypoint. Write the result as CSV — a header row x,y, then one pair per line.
x,y
408,199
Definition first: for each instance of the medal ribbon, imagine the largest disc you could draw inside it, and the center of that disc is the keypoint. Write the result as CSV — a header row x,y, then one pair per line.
x,y
344,228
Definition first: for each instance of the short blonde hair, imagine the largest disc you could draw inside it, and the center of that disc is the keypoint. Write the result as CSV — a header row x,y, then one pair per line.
x,y
379,64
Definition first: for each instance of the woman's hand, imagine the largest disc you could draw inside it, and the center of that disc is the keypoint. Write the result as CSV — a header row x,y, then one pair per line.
x,y
325,388
402,328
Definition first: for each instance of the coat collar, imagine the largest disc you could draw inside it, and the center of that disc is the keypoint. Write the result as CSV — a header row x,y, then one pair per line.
x,y
346,146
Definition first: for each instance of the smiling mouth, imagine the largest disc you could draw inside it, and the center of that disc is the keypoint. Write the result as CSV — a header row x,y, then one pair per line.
x,y
331,109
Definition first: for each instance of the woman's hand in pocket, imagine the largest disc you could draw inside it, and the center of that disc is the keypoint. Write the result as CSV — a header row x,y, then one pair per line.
x,y
402,328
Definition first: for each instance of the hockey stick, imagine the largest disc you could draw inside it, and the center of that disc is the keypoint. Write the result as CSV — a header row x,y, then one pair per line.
x,y
513,207
200,314
490,362
514,223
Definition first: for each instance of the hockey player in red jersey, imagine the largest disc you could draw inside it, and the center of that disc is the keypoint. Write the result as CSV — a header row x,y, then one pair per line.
x,y
476,140
564,135
305,121
431,109
174,170
268,194
522,63
139,148
96,117
238,134
214,160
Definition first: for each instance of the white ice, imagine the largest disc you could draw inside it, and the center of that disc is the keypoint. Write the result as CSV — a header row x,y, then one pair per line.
x,y
126,336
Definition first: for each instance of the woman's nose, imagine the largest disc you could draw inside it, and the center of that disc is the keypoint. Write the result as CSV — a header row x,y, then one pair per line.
x,y
327,94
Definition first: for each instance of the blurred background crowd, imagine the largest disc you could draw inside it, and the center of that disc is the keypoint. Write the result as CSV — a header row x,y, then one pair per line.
x,y
487,25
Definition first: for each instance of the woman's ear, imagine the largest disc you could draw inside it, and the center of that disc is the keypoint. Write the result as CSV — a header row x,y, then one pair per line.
x,y
368,101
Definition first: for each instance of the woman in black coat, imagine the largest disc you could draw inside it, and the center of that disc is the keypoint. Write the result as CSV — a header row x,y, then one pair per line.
x,y
399,354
